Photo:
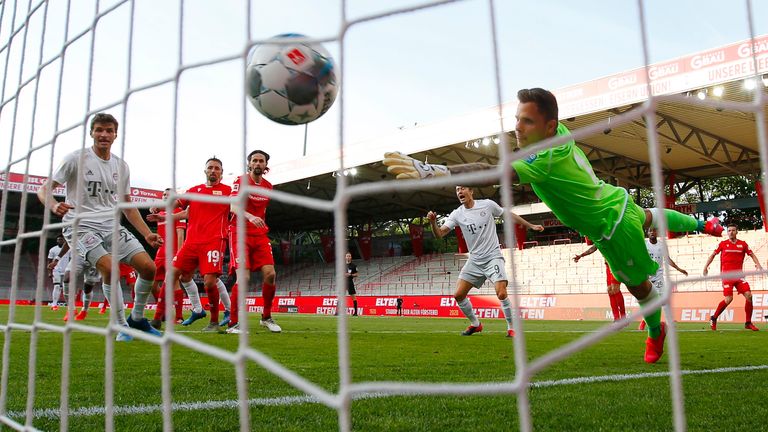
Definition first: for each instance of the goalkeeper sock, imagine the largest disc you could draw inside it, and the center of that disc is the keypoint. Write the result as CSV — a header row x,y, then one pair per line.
x,y
506,307
652,319
194,296
466,307
676,221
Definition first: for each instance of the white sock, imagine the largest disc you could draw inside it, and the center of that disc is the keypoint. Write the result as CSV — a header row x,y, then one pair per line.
x,y
87,300
223,294
56,294
119,306
194,296
140,296
466,307
65,290
506,307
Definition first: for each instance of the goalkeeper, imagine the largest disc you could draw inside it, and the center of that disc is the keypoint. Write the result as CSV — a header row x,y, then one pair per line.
x,y
563,179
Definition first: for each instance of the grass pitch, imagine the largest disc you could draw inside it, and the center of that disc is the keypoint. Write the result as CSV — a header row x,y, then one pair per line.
x,y
728,396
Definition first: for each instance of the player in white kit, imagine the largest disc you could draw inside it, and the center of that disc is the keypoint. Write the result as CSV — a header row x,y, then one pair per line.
x,y
96,181
56,276
655,251
477,221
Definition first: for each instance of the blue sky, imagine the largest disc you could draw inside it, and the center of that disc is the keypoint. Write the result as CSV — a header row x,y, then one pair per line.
x,y
398,71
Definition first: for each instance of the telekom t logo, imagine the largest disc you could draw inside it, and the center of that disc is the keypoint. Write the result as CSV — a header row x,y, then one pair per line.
x,y
296,56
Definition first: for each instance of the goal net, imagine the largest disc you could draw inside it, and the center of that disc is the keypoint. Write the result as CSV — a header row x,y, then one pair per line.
x,y
172,73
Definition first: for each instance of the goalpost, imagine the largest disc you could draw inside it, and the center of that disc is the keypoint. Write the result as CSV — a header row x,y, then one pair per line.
x,y
39,114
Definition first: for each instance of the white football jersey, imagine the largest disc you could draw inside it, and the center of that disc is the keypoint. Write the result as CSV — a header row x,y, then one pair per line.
x,y
94,187
655,251
478,225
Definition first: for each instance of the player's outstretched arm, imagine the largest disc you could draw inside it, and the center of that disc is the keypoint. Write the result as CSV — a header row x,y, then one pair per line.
x,y
134,217
520,221
405,167
676,267
592,249
757,262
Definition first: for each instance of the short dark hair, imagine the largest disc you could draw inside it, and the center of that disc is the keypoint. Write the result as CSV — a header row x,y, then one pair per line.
x,y
732,225
214,159
104,118
544,100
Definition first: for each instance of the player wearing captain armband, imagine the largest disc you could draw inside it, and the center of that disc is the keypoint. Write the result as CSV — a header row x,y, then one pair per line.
x,y
562,177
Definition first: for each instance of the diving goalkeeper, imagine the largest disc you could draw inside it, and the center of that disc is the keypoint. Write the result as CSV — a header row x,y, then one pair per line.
x,y
563,179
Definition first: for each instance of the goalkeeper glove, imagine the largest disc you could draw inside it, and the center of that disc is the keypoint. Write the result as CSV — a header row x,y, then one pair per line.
x,y
406,167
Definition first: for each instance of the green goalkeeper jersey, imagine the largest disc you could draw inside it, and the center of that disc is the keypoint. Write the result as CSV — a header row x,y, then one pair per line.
x,y
563,179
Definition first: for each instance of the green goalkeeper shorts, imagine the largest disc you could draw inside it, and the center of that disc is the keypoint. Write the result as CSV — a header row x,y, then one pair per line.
x,y
625,251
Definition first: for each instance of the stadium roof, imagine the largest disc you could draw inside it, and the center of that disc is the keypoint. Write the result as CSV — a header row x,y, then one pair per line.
x,y
698,138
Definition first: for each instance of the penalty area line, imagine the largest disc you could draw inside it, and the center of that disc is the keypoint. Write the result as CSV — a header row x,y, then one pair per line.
x,y
52,413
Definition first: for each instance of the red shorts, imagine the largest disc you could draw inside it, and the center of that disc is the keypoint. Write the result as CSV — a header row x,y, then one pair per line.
x,y
741,286
258,252
207,257
160,267
609,278
128,273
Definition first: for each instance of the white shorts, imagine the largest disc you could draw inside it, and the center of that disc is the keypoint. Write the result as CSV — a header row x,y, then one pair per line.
x,y
658,283
477,273
78,267
57,276
93,244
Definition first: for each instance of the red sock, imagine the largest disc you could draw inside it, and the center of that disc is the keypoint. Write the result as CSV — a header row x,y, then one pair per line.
x,y
614,307
620,304
213,302
748,310
160,311
233,310
178,297
720,309
268,294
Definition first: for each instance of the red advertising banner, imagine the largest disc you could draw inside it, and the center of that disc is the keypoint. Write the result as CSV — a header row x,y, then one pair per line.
x,y
462,243
327,241
417,239
365,244
16,183
703,69
686,307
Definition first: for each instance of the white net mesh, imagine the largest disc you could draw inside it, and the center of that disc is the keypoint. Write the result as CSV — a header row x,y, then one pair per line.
x,y
63,62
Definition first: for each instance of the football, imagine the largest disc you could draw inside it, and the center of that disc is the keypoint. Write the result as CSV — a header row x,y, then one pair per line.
x,y
291,83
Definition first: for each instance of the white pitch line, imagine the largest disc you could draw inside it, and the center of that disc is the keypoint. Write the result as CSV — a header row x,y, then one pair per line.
x,y
51,413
